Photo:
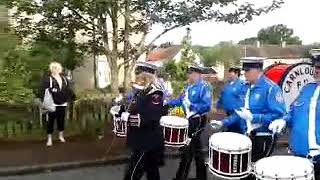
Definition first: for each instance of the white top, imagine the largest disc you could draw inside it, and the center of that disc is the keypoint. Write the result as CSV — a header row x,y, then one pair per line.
x,y
230,141
312,123
284,168
174,121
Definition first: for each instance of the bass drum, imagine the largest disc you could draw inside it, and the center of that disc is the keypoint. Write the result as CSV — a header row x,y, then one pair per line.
x,y
291,78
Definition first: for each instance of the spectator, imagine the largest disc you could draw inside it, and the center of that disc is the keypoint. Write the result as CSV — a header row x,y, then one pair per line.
x,y
62,93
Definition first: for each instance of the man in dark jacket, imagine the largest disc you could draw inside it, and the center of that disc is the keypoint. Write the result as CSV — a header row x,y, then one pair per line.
x,y
145,136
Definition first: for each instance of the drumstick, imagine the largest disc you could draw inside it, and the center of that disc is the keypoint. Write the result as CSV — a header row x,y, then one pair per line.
x,y
246,106
249,126
184,103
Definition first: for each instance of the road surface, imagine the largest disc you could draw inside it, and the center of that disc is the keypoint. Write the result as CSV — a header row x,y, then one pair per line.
x,y
111,172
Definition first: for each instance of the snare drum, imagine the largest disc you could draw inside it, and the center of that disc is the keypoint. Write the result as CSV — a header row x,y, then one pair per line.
x,y
175,130
230,155
284,168
119,125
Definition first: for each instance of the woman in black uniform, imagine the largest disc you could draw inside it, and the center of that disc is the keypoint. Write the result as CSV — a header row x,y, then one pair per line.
x,y
145,136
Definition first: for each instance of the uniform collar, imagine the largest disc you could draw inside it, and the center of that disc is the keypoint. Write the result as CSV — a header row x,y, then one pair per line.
x,y
199,81
260,81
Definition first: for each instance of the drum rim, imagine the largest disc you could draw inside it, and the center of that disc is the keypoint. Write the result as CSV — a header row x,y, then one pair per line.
x,y
247,150
289,69
170,124
186,122
227,175
176,127
175,144
272,66
260,174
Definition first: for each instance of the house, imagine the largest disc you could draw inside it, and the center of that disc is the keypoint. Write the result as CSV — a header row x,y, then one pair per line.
x,y
161,55
84,76
290,54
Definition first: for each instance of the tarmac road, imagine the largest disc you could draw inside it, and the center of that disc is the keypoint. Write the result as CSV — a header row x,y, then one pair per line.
x,y
116,172
111,172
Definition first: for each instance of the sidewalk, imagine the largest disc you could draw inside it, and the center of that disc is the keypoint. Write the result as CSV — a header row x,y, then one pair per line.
x,y
33,156
77,150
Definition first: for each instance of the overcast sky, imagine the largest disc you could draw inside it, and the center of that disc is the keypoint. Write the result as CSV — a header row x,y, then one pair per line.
x,y
302,16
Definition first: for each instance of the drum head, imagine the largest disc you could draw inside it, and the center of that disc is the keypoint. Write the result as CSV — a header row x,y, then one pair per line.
x,y
228,141
174,121
284,167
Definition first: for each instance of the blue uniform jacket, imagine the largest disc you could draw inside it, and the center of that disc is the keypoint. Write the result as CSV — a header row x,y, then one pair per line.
x,y
266,104
298,121
200,98
230,96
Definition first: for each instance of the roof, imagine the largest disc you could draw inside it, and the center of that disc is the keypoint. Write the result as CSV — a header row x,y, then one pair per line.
x,y
275,51
160,54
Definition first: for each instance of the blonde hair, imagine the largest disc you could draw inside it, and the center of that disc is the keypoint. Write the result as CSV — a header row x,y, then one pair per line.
x,y
144,79
55,65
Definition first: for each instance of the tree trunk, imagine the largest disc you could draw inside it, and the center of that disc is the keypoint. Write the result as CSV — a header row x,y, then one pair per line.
x,y
114,53
126,46
95,73
114,75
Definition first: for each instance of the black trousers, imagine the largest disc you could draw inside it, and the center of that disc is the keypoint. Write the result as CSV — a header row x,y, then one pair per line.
x,y
59,116
316,166
194,150
260,148
143,162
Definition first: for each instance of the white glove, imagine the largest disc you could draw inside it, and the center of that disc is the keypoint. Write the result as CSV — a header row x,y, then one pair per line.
x,y
118,99
125,116
187,103
216,124
245,114
277,126
115,110
188,141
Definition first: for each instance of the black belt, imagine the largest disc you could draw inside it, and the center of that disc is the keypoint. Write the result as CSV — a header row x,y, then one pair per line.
x,y
197,116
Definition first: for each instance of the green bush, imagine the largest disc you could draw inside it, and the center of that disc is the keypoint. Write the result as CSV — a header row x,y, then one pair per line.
x,y
14,80
177,72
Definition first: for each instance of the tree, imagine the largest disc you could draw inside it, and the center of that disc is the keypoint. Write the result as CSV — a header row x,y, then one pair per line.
x,y
14,79
225,52
186,48
248,41
276,34
178,71
98,21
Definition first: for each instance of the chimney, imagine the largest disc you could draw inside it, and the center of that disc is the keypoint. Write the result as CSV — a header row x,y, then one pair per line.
x,y
258,44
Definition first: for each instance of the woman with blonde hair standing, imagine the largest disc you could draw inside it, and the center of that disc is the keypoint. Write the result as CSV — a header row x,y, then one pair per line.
x,y
62,93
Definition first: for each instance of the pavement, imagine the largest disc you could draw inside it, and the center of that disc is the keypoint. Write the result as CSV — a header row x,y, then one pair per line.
x,y
23,158
112,172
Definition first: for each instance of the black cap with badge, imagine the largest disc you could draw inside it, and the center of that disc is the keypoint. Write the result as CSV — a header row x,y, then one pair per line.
x,y
194,68
209,70
145,67
252,63
235,69
315,57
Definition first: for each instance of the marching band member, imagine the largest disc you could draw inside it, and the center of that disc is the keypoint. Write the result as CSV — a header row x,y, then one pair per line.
x,y
230,96
196,101
303,119
263,102
145,136
140,68
209,74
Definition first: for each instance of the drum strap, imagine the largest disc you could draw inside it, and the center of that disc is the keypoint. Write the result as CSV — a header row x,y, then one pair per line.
x,y
135,167
273,144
